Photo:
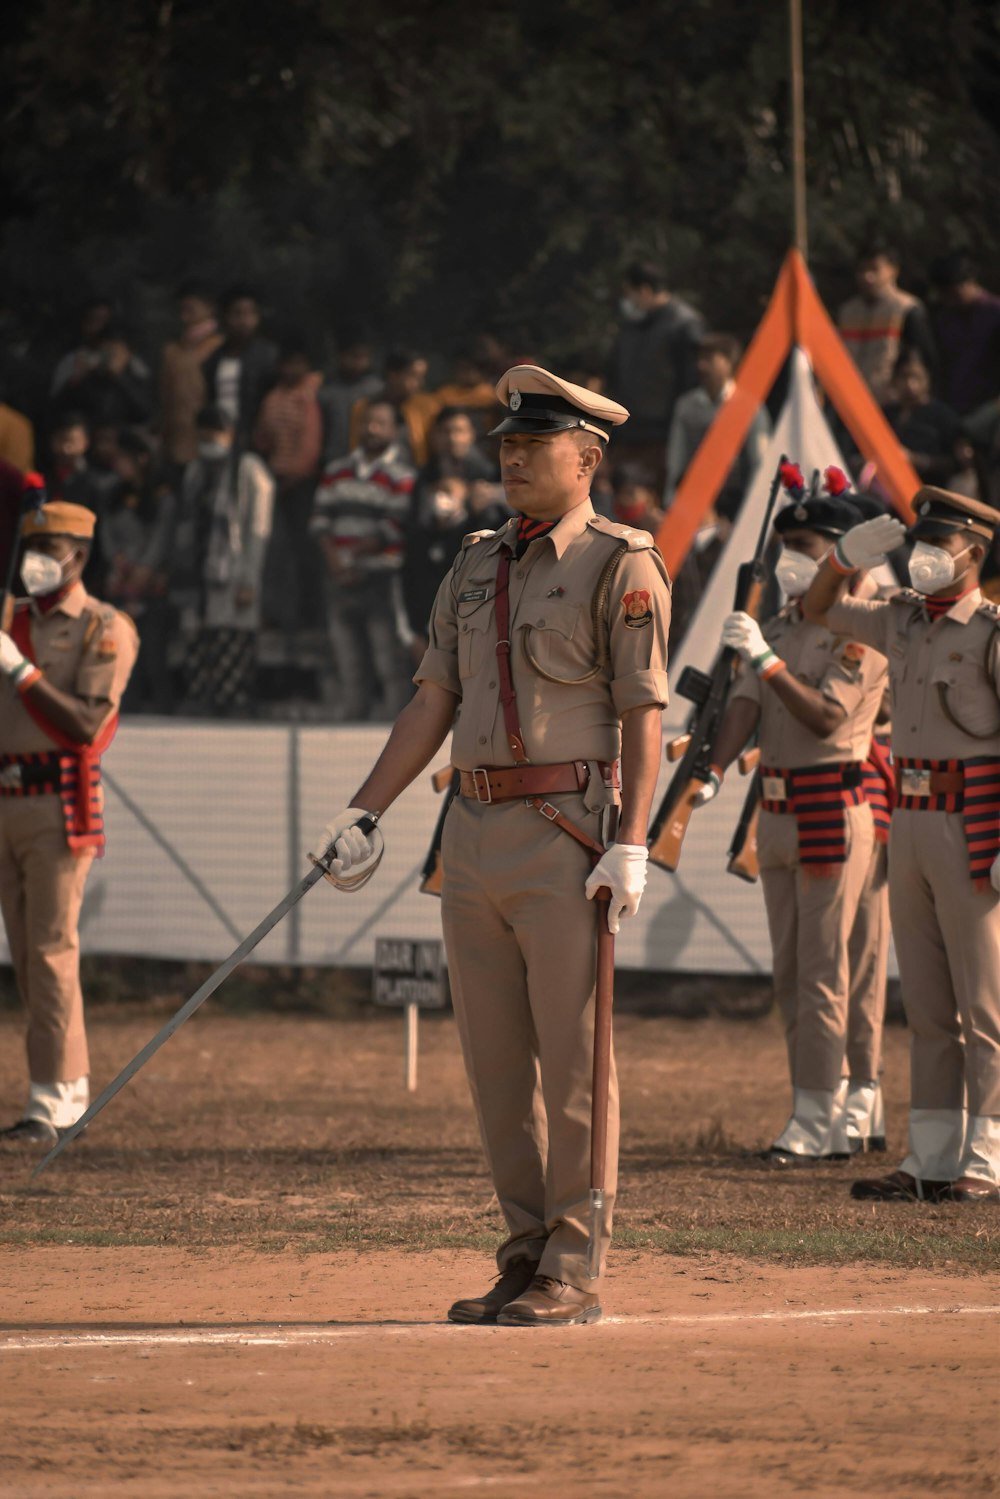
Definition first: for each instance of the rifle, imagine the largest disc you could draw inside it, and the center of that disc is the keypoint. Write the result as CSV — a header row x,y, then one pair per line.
x,y
432,874
742,860
709,693
34,495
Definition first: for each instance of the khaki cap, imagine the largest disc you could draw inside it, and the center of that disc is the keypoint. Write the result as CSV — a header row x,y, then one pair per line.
x,y
538,401
939,512
60,518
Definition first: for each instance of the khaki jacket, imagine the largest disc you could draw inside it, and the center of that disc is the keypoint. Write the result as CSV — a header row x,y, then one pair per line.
x,y
551,592
840,669
954,661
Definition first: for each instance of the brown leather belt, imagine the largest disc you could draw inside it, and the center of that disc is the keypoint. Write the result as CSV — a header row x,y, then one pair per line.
x,y
503,784
912,782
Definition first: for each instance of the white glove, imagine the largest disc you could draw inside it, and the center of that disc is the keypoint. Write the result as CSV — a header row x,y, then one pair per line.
x,y
867,544
995,874
622,869
349,857
12,662
710,790
744,634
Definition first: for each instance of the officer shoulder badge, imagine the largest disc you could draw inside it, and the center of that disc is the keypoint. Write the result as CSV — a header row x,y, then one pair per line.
x,y
637,607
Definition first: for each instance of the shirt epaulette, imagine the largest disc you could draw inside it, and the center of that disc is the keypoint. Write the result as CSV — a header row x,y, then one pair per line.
x,y
474,536
104,617
905,596
991,610
638,541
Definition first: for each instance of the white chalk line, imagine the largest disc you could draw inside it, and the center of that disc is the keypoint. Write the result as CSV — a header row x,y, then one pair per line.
x,y
299,1336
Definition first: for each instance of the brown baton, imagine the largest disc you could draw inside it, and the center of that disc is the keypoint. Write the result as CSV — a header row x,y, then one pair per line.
x,y
603,1004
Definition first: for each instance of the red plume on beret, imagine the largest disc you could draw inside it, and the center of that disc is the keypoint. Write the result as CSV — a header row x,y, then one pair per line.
x,y
792,480
835,481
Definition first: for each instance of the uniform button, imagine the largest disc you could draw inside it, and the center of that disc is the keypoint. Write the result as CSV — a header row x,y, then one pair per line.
x,y
541,622
482,739
493,684
465,629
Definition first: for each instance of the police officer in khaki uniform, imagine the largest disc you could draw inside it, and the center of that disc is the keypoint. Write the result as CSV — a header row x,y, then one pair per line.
x,y
63,668
547,653
814,696
942,641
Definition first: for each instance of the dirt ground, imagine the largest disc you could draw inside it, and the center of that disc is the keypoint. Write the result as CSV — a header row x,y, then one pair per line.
x,y
236,1284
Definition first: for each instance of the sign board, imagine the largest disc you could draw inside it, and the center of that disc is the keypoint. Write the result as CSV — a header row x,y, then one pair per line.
x,y
409,972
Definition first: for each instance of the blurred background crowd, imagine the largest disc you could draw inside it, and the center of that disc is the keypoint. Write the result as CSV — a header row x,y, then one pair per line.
x,y
277,521
259,271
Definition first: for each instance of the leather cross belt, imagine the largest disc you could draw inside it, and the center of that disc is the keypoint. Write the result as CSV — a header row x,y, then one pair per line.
x,y
508,783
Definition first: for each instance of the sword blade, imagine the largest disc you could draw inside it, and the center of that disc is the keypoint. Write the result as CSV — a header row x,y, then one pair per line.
x,y
184,1013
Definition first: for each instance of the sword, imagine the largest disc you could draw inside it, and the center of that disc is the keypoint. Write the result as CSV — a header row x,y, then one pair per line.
x,y
208,988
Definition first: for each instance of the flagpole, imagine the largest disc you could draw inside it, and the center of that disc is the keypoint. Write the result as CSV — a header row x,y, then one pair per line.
x,y
800,234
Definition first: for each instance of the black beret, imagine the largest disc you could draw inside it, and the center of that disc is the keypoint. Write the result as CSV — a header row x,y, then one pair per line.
x,y
827,516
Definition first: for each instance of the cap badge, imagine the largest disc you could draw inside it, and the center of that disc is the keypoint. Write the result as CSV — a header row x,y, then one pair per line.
x,y
800,513
514,400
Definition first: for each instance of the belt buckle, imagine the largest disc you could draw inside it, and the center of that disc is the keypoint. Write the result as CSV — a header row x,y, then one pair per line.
x,y
548,811
773,788
916,782
487,799
11,778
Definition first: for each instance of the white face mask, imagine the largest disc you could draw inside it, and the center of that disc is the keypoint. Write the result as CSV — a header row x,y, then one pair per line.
x,y
932,568
40,573
794,572
631,311
212,450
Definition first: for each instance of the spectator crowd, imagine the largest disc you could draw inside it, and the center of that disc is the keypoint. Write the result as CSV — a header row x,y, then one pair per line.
x,y
278,531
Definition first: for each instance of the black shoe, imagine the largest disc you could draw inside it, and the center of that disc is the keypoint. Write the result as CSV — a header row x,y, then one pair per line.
x,y
30,1132
483,1310
775,1156
899,1186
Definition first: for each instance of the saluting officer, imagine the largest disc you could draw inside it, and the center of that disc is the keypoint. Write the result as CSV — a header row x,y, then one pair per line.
x,y
814,696
547,652
942,641
63,669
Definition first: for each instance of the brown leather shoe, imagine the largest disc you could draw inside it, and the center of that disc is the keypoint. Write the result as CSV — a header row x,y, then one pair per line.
x,y
551,1303
971,1189
899,1186
483,1309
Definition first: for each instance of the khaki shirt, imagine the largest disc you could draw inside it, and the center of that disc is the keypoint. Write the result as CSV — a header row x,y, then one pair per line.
x,y
551,593
839,669
956,658
83,647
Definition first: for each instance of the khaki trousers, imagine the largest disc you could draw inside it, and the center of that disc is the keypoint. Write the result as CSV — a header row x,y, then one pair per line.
x,y
810,918
41,891
521,942
868,958
948,944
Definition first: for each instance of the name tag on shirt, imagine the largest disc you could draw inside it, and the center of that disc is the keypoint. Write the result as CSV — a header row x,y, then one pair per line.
x,y
474,596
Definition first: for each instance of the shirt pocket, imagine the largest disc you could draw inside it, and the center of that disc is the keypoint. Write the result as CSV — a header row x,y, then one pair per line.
x,y
476,637
553,640
970,697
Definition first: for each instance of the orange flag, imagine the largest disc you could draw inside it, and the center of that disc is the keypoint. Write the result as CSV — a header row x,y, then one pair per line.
x,y
794,315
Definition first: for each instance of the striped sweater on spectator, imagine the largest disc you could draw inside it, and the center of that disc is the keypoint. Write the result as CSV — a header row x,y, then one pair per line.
x,y
361,506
